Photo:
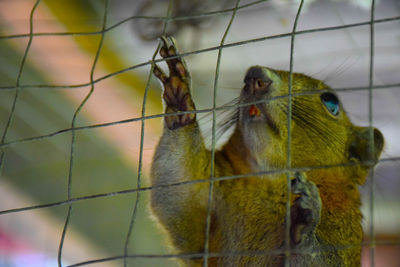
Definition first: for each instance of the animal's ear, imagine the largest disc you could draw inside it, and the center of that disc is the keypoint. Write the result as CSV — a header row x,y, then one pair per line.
x,y
360,146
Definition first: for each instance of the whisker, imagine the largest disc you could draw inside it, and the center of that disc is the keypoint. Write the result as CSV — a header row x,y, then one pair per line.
x,y
226,119
301,114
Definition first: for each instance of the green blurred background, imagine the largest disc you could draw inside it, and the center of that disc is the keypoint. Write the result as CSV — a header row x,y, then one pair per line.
x,y
39,169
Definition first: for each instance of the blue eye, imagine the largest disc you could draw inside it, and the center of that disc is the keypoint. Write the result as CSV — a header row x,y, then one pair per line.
x,y
331,103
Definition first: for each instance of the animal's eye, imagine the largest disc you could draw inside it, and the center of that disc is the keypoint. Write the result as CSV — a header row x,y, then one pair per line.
x,y
331,103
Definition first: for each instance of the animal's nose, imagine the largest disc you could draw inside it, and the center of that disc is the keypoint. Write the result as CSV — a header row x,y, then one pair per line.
x,y
256,81
256,85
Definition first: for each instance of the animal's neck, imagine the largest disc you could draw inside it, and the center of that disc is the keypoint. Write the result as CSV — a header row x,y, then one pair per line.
x,y
245,151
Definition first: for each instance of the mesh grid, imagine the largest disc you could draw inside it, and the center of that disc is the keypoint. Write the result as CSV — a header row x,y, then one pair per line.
x,y
137,190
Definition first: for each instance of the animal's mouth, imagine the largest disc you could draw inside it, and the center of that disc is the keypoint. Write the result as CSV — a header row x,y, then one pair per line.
x,y
254,111
257,86
259,113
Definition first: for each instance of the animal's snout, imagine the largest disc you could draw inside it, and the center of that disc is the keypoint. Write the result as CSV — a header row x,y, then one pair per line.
x,y
256,82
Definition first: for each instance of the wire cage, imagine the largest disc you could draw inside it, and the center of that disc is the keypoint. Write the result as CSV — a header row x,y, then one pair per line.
x,y
80,112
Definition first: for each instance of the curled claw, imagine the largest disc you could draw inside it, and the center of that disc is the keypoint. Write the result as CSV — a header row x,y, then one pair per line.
x,y
168,48
176,86
305,211
176,66
160,74
299,184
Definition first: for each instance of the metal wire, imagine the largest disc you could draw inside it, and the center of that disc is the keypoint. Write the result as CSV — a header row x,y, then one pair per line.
x,y
289,174
371,138
167,18
223,254
222,178
17,85
73,135
100,125
136,190
140,163
213,142
205,50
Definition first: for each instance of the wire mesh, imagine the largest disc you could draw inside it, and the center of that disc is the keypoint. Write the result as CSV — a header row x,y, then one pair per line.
x,y
289,174
213,141
371,134
73,136
70,201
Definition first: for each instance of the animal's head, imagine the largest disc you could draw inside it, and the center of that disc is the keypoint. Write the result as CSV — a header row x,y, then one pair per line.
x,y
321,132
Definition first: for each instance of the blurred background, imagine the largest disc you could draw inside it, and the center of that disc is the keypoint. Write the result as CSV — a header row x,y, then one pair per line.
x,y
55,78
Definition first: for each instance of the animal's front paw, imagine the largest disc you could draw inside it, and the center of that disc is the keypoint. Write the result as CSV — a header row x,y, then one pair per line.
x,y
305,211
176,87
